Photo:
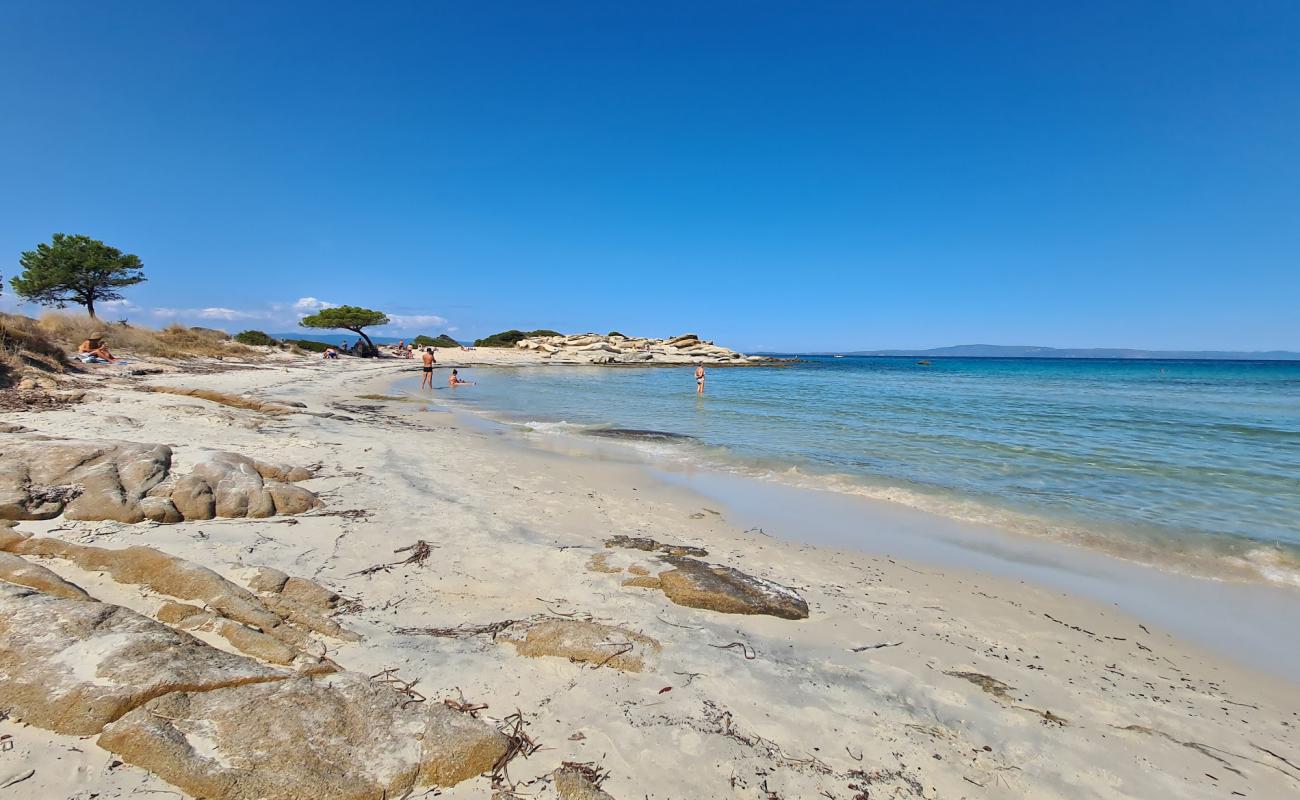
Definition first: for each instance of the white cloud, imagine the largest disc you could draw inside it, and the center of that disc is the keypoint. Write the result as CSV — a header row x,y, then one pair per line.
x,y
414,323
306,305
229,314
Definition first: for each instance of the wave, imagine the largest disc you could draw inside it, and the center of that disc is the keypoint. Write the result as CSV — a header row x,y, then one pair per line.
x,y
1196,553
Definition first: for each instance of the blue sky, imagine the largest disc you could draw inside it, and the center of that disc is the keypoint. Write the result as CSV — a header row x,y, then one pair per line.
x,y
770,175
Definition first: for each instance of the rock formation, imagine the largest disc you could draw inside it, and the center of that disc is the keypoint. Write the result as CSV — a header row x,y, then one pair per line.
x,y
73,666
41,478
617,349
281,616
342,737
697,584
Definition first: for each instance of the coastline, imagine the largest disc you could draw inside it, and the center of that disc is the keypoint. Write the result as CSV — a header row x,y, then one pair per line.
x,y
1096,702
1180,602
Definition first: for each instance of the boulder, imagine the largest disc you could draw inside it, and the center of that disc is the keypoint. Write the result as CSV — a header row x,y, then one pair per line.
x,y
18,570
73,666
342,737
697,584
589,642
92,480
41,478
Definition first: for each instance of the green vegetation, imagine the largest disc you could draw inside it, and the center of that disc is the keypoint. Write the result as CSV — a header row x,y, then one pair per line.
x,y
443,340
615,333
75,269
511,337
311,346
349,318
255,338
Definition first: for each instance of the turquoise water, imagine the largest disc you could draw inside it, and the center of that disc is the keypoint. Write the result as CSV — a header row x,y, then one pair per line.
x,y
1193,465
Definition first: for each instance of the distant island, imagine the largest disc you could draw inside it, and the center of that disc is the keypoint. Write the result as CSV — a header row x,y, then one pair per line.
x,y
1020,351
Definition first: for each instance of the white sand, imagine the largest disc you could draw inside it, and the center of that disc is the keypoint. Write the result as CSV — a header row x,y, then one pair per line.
x,y
514,531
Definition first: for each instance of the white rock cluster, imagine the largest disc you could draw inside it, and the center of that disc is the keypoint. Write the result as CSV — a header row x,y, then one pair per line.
x,y
593,348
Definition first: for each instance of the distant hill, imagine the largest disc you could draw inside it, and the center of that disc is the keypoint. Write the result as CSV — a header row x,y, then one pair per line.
x,y
1017,351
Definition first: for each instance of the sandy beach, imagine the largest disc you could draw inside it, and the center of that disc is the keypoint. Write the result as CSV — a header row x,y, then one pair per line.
x,y
905,679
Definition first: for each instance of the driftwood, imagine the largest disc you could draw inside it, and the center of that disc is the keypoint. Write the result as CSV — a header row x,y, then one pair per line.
x,y
419,553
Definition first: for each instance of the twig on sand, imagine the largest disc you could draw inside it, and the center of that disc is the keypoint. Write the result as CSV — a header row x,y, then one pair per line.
x,y
463,705
624,648
749,652
691,676
518,743
404,688
866,647
19,778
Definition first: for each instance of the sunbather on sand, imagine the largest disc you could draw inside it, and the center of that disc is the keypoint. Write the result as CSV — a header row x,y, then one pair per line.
x,y
94,346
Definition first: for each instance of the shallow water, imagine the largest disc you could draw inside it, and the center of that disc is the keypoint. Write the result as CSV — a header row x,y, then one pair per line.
x,y
1191,465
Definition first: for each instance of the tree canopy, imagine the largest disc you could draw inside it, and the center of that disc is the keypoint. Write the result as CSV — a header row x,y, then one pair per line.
x,y
510,337
75,269
348,318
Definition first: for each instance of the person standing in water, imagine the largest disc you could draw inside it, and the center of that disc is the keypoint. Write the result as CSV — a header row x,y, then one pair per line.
x,y
699,379
429,361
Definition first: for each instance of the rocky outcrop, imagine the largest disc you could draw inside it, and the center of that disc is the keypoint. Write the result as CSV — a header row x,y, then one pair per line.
x,y
649,545
73,666
697,584
274,614
249,641
594,348
343,738
21,572
588,642
41,478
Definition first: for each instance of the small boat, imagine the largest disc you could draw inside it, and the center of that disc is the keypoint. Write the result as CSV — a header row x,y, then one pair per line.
x,y
839,356
923,363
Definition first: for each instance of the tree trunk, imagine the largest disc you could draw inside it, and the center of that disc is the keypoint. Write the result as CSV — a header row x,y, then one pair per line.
x,y
90,307
370,346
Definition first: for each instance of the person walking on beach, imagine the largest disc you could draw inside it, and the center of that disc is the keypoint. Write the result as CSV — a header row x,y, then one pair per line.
x,y
699,379
429,361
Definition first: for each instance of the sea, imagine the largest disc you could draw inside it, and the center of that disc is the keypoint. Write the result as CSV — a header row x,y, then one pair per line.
x,y
1192,466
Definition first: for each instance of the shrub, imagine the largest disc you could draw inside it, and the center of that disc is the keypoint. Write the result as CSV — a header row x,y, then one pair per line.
x,y
443,340
612,334
511,337
257,338
309,345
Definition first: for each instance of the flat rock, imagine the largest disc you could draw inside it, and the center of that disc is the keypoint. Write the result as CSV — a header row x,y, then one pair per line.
x,y
21,572
589,642
697,584
73,666
342,737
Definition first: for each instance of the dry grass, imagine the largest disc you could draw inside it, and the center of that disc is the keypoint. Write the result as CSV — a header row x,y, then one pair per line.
x,y
24,345
174,341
